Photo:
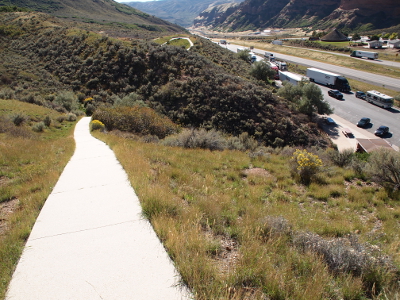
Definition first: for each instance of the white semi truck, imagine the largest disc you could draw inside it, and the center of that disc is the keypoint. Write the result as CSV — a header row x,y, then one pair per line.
x,y
367,54
291,77
269,56
281,65
329,79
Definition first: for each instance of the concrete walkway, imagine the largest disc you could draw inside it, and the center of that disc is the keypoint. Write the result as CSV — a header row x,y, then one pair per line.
x,y
90,240
336,135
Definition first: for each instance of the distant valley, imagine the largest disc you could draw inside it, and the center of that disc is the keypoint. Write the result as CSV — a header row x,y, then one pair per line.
x,y
181,12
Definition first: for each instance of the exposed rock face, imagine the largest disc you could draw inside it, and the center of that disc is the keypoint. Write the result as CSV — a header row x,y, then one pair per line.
x,y
259,14
368,7
215,15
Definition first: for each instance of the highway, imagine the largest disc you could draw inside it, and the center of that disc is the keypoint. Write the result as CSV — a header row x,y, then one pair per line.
x,y
351,108
374,61
379,80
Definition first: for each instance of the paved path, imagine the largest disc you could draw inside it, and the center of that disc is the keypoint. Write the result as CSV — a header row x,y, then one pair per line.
x,y
90,241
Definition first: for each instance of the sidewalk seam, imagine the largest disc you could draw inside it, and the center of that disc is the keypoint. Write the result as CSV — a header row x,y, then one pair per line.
x,y
83,230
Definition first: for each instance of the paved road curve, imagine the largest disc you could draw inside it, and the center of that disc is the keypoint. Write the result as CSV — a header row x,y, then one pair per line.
x,y
90,241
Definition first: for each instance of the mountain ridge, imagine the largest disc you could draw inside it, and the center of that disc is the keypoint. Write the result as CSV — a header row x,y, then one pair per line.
x,y
324,14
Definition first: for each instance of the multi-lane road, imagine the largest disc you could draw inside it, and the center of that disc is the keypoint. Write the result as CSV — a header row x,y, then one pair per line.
x,y
378,80
352,108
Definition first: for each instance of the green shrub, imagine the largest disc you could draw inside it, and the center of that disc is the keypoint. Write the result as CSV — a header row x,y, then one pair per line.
x,y
341,158
38,127
212,140
61,118
90,108
18,119
96,125
305,165
47,121
67,100
71,117
384,167
139,120
7,94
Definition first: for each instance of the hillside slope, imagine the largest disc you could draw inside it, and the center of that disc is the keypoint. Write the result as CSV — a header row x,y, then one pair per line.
x,y
260,14
206,87
98,11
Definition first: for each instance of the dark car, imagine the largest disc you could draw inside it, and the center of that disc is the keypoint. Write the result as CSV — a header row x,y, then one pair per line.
x,y
360,95
330,121
382,130
335,94
364,122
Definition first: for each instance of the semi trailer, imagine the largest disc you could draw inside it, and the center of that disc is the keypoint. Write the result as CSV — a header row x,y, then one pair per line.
x,y
291,77
367,54
329,79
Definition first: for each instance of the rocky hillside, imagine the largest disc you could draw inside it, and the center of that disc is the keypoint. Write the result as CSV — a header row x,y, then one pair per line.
x,y
102,12
181,12
259,14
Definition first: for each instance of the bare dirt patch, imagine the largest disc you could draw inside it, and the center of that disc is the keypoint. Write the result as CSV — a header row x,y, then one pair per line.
x,y
6,210
257,172
229,255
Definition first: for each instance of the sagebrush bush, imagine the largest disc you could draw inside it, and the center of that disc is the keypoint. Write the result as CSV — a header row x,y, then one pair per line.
x,y
47,121
38,127
384,168
71,117
90,108
61,118
341,158
194,138
7,94
18,119
347,255
67,100
139,120
96,125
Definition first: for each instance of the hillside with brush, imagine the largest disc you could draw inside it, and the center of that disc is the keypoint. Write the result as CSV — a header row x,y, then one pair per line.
x,y
100,12
207,86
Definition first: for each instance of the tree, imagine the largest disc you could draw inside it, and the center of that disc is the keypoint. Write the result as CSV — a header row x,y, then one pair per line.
x,y
312,101
356,37
307,97
374,37
393,36
291,92
244,54
262,71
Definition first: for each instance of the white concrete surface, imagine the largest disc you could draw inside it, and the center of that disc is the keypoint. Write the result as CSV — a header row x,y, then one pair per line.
x,y
90,240
344,142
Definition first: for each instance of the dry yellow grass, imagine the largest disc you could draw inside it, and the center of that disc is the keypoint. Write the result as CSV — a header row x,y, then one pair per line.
x,y
230,231
29,168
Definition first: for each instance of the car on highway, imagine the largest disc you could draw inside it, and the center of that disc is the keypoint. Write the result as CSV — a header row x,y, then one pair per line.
x,y
335,94
360,95
382,130
364,122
